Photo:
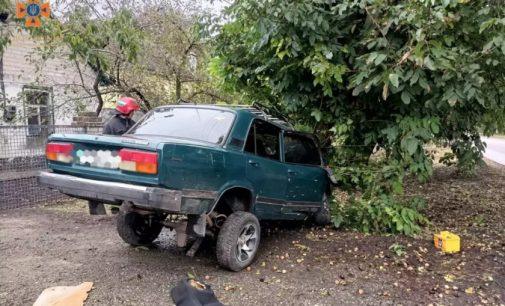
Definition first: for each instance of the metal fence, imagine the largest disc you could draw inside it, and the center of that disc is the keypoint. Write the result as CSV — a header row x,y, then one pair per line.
x,y
22,156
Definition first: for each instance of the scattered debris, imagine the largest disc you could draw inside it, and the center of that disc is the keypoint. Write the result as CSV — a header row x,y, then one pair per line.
x,y
64,295
397,249
191,292
449,278
447,242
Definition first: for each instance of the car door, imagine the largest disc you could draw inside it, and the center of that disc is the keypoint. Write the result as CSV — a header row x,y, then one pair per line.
x,y
307,179
265,170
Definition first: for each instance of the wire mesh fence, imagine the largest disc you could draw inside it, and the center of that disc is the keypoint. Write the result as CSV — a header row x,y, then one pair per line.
x,y
22,156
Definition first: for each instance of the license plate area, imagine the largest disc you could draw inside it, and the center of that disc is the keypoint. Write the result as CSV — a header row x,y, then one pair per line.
x,y
108,159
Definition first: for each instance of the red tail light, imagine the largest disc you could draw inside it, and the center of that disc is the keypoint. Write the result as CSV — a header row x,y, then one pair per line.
x,y
138,161
59,151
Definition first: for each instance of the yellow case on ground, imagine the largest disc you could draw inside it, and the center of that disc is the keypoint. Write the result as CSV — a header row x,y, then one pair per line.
x,y
447,242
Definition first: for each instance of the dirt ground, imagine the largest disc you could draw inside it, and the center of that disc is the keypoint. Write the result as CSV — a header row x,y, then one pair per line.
x,y
297,265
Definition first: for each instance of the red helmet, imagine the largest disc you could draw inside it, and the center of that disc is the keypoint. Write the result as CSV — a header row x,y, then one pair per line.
x,y
126,105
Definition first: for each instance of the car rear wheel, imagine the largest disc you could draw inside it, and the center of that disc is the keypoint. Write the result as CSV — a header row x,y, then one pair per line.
x,y
137,229
238,241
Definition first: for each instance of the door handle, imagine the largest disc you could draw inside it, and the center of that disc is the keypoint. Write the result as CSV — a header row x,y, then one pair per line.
x,y
253,163
293,172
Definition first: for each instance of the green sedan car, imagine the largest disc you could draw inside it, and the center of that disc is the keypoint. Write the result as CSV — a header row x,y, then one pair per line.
x,y
200,170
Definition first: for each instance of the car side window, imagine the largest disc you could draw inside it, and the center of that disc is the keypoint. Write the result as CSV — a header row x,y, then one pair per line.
x,y
250,145
263,140
300,149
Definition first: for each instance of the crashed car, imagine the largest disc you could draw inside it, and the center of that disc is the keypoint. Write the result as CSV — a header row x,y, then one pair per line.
x,y
199,170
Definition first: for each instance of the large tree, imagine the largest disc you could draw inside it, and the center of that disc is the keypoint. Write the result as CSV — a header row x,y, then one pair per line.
x,y
151,50
374,74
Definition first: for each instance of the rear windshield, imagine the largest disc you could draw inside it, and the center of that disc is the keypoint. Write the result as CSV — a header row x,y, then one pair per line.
x,y
208,125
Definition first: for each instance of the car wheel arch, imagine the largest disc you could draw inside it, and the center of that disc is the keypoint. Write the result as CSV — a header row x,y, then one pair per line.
x,y
244,194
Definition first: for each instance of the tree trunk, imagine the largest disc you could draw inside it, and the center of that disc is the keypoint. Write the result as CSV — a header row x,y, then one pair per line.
x,y
2,85
177,87
96,89
141,96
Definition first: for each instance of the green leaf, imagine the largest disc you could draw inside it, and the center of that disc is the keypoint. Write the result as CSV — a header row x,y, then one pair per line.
x,y
393,78
424,84
411,145
405,97
397,187
435,128
379,59
429,63
316,114
281,54
487,24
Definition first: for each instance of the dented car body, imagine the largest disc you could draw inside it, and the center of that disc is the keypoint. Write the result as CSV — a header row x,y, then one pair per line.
x,y
203,162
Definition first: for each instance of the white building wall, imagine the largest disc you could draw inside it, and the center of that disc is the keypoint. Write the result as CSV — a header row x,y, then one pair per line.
x,y
24,67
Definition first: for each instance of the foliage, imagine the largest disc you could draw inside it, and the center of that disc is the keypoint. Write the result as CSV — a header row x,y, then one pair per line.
x,y
369,75
380,214
174,52
380,204
5,31
152,51
104,45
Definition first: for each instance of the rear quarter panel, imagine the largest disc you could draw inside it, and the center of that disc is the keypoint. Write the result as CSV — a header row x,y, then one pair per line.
x,y
202,168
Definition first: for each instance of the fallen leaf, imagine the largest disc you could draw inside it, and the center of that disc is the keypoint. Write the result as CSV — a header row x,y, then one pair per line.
x,y
469,290
196,284
302,247
449,278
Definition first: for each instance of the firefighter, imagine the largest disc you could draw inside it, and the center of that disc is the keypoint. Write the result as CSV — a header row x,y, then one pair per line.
x,y
120,122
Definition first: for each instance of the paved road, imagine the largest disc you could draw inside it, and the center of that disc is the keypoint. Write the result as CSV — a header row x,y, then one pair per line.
x,y
495,150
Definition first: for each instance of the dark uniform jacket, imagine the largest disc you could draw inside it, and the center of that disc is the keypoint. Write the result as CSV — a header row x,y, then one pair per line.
x,y
117,125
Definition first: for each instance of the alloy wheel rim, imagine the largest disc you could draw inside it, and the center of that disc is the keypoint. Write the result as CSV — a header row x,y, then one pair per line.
x,y
246,242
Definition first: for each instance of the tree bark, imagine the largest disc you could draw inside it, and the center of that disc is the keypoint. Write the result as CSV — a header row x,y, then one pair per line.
x,y
96,89
141,96
2,85
177,86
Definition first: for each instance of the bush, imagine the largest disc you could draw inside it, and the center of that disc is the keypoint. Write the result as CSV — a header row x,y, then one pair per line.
x,y
377,202
385,213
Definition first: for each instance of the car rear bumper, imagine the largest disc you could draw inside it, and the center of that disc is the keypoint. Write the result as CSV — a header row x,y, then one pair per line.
x,y
176,201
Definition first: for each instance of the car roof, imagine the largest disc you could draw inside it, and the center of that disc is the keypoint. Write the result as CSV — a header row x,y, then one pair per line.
x,y
255,112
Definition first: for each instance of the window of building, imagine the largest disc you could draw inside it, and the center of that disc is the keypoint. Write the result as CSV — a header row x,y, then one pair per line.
x,y
37,103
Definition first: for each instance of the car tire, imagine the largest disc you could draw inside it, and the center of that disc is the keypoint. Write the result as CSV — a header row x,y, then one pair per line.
x,y
323,216
238,241
136,229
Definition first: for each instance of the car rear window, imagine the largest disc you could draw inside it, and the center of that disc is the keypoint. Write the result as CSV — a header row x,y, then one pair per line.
x,y
209,125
